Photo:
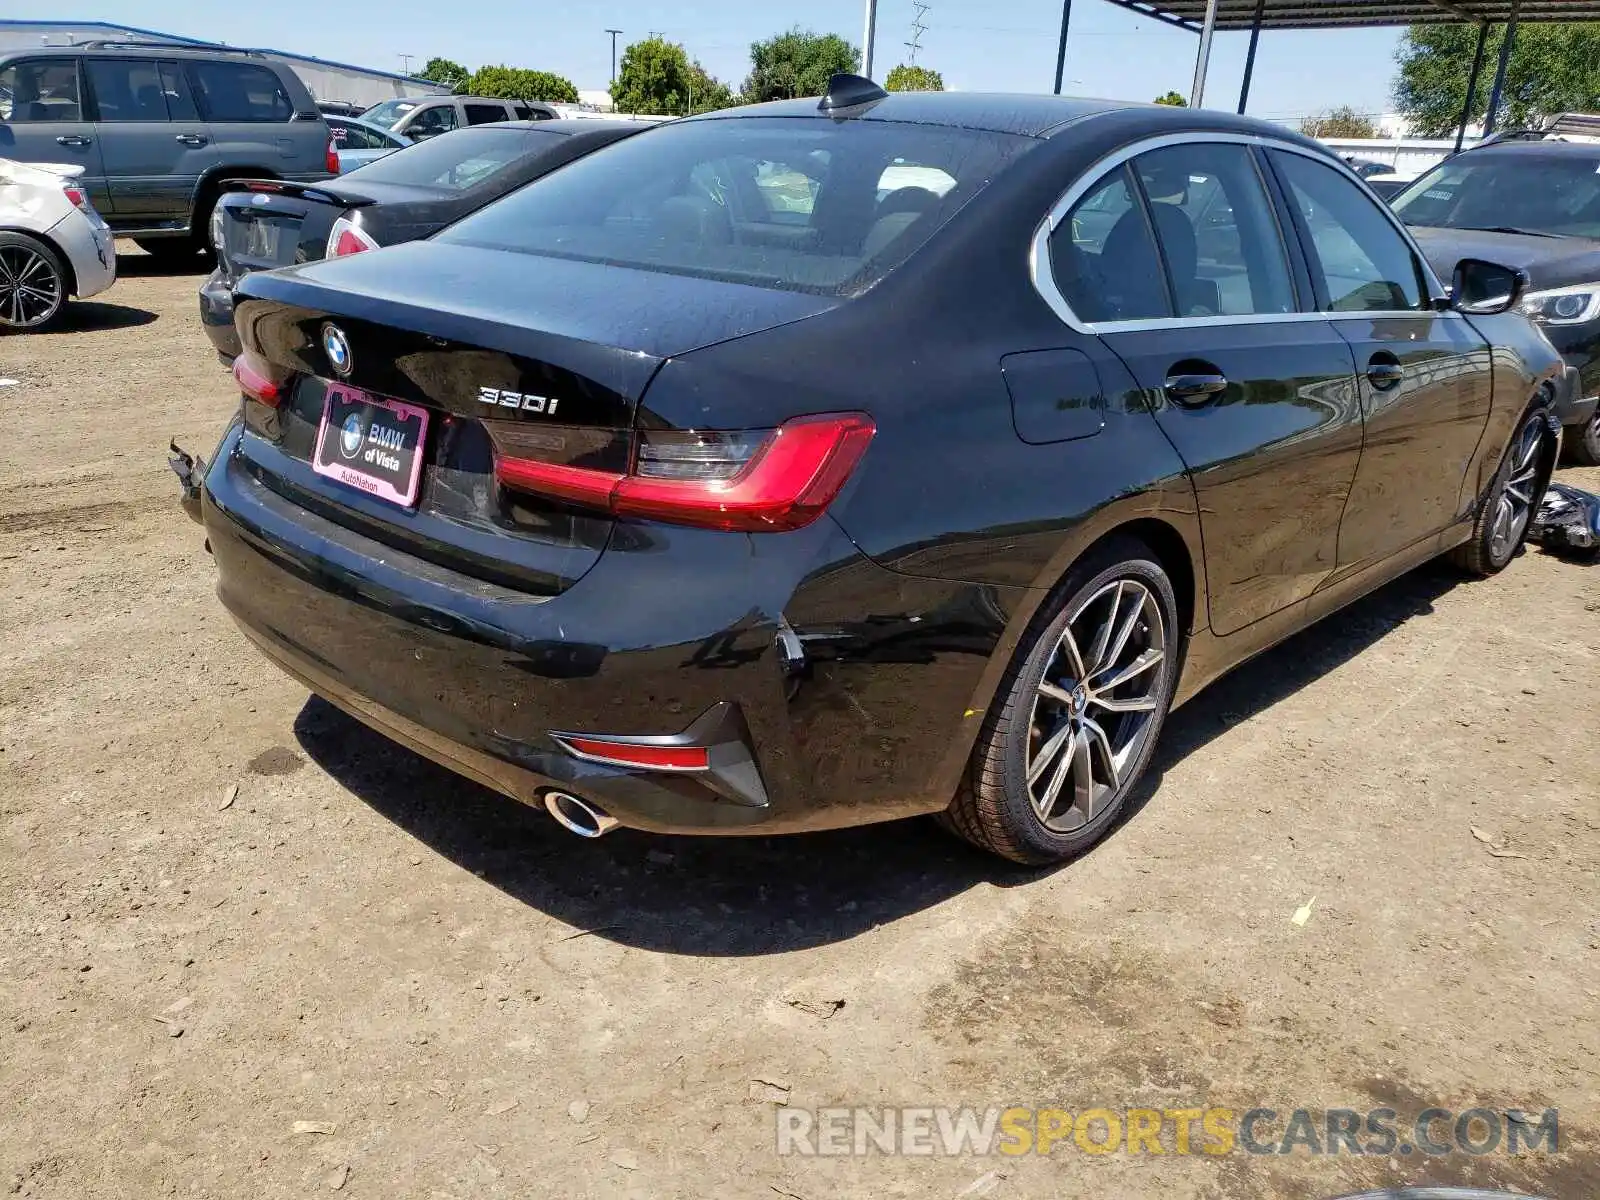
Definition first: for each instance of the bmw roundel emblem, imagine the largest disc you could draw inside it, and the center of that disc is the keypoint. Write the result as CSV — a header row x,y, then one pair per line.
x,y
337,347
351,434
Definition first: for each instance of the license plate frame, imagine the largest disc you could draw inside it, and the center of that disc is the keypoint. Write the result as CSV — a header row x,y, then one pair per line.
x,y
386,464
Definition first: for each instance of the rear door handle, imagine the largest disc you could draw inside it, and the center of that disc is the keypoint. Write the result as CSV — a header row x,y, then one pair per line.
x,y
73,139
1195,388
1385,373
190,139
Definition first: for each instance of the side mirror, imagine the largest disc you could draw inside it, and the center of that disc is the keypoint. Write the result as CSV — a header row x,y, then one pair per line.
x,y
1486,288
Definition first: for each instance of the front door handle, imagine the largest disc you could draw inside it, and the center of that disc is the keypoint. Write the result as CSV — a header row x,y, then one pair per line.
x,y
73,139
1384,372
1195,388
190,139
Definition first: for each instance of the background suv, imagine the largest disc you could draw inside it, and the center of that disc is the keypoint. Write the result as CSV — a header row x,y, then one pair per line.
x,y
1533,202
156,129
419,117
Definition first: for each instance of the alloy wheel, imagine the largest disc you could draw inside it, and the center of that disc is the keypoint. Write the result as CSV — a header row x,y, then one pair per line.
x,y
1514,507
30,287
1094,706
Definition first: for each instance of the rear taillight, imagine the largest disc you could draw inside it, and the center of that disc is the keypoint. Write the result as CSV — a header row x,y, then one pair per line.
x,y
767,480
77,197
332,159
255,382
346,237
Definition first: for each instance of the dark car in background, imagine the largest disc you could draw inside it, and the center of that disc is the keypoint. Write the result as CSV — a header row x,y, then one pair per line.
x,y
1532,203
262,224
160,129
803,465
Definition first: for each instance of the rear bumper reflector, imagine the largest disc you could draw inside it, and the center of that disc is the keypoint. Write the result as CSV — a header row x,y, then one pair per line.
x,y
715,751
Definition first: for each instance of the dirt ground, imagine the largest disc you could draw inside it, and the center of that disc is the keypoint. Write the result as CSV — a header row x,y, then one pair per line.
x,y
462,1000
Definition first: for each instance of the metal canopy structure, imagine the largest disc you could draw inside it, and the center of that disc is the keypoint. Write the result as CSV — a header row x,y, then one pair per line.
x,y
1206,17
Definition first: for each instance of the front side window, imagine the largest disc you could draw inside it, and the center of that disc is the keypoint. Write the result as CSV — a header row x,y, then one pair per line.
x,y
40,89
241,92
1364,263
441,118
1556,194
1219,238
1103,255
792,204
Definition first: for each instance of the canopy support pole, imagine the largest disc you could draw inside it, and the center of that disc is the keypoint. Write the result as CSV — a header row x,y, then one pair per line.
x,y
1250,58
1202,60
1061,50
1472,84
1499,91
868,37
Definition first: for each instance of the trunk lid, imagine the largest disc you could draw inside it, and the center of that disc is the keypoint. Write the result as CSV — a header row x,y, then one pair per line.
x,y
546,356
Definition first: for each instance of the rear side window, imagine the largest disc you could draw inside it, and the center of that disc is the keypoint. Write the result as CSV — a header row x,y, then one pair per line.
x,y
792,204
127,89
1104,258
1219,238
241,92
462,160
483,114
1363,261
40,89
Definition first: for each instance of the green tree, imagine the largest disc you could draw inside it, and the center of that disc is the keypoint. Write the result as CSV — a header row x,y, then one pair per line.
x,y
797,63
1173,100
906,78
517,83
1553,69
1344,122
654,78
452,74
708,92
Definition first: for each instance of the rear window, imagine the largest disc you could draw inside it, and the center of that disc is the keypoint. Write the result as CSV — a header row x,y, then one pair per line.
x,y
799,205
457,161
389,113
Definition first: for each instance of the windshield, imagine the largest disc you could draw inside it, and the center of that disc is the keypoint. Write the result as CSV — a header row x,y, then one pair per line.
x,y
454,162
796,204
1550,194
389,113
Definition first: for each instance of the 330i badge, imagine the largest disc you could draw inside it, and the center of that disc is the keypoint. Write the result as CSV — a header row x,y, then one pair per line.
x,y
802,465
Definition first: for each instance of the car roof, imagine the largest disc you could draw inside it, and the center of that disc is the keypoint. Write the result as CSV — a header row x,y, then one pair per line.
x,y
1547,148
1005,112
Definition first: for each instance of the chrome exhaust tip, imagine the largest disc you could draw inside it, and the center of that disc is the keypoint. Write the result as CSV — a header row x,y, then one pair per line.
x,y
579,816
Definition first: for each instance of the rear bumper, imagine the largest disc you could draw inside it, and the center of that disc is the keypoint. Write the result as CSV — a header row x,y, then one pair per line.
x,y
659,633
89,248
216,317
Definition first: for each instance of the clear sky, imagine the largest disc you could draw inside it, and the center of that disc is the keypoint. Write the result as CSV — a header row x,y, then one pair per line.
x,y
991,47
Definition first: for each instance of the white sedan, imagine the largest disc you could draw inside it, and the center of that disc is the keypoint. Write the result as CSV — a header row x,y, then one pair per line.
x,y
53,243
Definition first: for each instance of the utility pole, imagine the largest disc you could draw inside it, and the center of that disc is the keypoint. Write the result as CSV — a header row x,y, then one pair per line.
x,y
614,33
918,28
405,62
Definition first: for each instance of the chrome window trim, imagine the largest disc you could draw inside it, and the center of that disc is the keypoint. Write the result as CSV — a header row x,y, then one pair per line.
x,y
1039,267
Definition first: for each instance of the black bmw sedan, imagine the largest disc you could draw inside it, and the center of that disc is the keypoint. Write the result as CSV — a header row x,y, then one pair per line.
x,y
812,464
260,224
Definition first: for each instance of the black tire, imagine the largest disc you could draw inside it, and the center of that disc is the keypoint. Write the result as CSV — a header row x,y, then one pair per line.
x,y
998,808
34,283
1583,443
1507,511
169,249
